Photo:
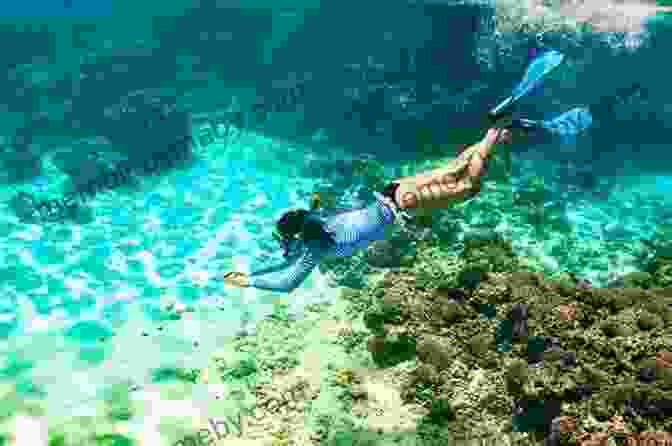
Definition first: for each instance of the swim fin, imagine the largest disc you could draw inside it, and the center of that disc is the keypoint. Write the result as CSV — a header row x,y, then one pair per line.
x,y
569,123
541,66
566,125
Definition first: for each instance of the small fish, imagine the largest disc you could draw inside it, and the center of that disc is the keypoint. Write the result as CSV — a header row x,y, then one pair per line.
x,y
532,52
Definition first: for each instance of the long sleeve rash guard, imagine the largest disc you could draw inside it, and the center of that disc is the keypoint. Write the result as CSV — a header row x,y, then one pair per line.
x,y
352,230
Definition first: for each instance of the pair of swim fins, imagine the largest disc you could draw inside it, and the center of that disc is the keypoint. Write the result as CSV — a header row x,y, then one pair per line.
x,y
565,125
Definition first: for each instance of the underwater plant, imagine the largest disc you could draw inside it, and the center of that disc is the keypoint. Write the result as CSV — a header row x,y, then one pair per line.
x,y
245,367
176,373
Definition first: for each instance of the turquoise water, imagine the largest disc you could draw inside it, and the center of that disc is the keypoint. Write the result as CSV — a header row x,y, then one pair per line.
x,y
79,298
82,304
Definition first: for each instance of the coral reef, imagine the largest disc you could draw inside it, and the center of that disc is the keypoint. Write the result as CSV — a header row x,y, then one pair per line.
x,y
456,346
660,263
587,348
384,254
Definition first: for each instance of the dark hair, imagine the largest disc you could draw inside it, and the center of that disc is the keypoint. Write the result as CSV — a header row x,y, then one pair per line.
x,y
390,192
300,224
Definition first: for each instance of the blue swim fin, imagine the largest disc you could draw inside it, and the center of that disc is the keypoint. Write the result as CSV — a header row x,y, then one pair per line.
x,y
566,125
569,123
542,64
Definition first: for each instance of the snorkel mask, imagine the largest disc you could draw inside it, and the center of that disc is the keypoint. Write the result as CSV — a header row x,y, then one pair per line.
x,y
288,227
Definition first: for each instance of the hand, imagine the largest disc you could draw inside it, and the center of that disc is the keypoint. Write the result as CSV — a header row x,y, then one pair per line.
x,y
233,278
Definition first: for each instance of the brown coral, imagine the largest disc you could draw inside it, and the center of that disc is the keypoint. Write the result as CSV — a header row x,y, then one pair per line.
x,y
431,350
591,439
567,312
610,329
616,424
376,344
654,438
567,424
664,360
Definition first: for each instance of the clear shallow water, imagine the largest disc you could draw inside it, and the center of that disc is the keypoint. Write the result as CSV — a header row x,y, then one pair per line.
x,y
606,223
78,298
81,307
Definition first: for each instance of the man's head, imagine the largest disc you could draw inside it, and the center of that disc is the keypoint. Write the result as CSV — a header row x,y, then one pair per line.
x,y
291,223
297,224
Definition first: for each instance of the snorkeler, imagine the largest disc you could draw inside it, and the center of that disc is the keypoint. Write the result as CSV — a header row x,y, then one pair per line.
x,y
307,238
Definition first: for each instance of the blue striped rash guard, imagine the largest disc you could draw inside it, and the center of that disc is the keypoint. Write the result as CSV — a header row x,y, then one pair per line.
x,y
352,230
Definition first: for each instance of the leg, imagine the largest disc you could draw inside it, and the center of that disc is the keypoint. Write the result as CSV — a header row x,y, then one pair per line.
x,y
461,180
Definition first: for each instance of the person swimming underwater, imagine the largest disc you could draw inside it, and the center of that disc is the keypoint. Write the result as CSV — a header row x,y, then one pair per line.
x,y
307,238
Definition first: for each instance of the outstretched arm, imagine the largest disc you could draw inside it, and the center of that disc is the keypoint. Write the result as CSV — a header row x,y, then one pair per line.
x,y
285,278
272,268
288,279
290,256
